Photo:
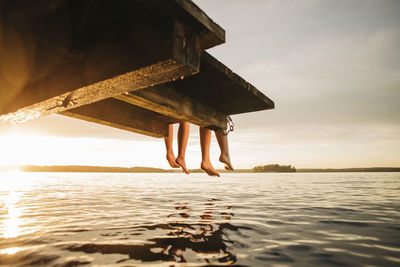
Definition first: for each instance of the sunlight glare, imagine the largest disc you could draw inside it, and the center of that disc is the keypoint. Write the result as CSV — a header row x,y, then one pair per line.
x,y
16,180
21,148
10,251
17,147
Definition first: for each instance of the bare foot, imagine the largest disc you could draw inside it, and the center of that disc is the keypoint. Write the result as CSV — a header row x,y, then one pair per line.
x,y
227,161
181,163
208,168
171,161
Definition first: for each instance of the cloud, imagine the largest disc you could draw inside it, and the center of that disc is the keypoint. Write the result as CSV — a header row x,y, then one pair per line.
x,y
349,80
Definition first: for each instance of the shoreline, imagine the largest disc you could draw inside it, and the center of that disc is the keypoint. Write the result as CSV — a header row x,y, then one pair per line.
x,y
100,169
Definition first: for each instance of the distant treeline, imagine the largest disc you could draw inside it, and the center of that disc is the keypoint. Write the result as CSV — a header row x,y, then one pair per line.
x,y
88,169
274,168
371,169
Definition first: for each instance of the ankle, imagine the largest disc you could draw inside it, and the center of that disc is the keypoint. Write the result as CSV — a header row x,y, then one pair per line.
x,y
205,163
224,155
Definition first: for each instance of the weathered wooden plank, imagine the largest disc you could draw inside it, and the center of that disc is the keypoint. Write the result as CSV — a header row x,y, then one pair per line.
x,y
121,115
169,102
219,87
212,34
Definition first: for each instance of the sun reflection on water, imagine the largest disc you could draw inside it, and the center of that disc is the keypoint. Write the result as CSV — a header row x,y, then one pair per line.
x,y
13,185
13,221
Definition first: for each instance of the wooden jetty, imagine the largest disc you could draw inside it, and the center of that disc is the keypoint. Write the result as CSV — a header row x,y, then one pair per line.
x,y
137,65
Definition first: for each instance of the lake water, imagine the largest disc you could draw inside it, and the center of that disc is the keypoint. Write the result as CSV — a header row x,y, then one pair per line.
x,y
296,219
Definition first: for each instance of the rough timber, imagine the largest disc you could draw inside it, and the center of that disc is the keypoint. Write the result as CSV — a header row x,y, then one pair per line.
x,y
136,65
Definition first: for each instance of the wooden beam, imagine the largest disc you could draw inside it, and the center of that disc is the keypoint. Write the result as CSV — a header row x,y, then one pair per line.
x,y
157,73
219,87
239,96
167,101
211,34
121,115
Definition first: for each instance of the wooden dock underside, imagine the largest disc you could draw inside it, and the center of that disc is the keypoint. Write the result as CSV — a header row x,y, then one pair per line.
x,y
56,55
136,65
204,99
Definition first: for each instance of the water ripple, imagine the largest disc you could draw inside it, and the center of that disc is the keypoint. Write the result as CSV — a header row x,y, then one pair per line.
x,y
49,219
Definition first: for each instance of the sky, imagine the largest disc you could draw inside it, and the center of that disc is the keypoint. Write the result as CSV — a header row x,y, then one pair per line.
x,y
331,67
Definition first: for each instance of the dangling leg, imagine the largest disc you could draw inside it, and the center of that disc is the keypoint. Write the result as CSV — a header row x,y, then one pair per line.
x,y
168,146
183,136
223,146
205,141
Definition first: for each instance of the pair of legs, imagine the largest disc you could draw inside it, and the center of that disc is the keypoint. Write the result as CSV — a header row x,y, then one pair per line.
x,y
183,136
205,141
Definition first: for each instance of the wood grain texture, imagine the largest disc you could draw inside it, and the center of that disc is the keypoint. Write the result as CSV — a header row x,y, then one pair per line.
x,y
211,33
169,102
121,115
142,78
219,87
